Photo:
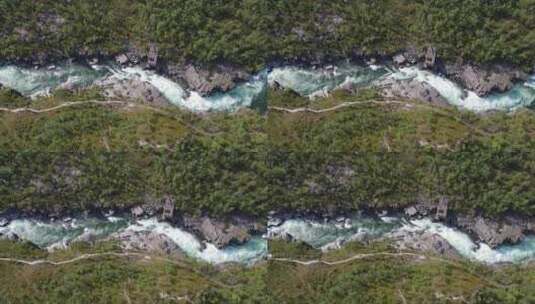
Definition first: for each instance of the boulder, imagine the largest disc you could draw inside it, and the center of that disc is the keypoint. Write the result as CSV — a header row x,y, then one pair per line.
x,y
223,233
426,242
121,59
168,211
152,56
430,57
399,59
485,80
148,242
9,236
132,90
137,212
207,81
4,222
442,209
411,211
493,233
412,90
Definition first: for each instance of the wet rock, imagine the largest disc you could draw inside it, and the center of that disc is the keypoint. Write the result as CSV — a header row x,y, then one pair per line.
x,y
148,242
491,232
442,209
237,230
133,90
430,58
122,59
9,236
412,90
4,222
426,242
168,209
152,56
399,59
411,211
137,212
485,80
221,78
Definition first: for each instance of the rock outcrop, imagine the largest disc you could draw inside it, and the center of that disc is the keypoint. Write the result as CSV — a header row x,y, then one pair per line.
x,y
492,232
147,242
411,89
132,90
424,242
485,80
222,78
223,233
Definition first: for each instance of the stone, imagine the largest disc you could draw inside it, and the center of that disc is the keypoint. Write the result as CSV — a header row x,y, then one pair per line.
x,y
133,90
4,222
122,59
223,233
9,236
411,211
168,208
152,56
220,78
148,242
485,80
137,211
430,57
442,209
411,89
425,242
399,59
492,232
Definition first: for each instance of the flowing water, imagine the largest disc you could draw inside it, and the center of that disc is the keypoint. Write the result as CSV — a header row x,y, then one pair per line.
x,y
325,235
307,82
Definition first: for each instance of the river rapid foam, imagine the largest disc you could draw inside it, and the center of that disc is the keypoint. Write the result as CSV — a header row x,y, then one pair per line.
x,y
308,82
324,235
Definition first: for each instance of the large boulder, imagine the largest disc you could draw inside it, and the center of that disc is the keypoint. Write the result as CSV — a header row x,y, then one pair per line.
x,y
221,78
148,242
485,80
492,232
412,90
132,90
426,242
222,233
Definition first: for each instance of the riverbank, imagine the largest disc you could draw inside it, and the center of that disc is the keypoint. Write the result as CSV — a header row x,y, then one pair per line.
x,y
137,278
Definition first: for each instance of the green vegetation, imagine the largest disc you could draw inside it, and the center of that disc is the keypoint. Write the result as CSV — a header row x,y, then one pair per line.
x,y
368,155
375,279
253,32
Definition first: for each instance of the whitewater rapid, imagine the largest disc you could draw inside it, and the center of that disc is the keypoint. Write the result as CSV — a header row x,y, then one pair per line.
x,y
324,235
308,82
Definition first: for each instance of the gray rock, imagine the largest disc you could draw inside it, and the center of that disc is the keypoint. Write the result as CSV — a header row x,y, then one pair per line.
x,y
152,56
399,59
492,232
168,208
148,242
137,211
430,57
234,231
411,211
9,236
442,209
412,90
122,59
485,80
207,81
424,242
4,222
132,90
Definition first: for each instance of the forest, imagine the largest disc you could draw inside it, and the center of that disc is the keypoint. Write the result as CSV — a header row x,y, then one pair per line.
x,y
253,33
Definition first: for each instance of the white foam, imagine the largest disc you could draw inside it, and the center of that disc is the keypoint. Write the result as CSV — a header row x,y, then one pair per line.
x,y
520,96
244,95
37,82
479,252
248,253
318,82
